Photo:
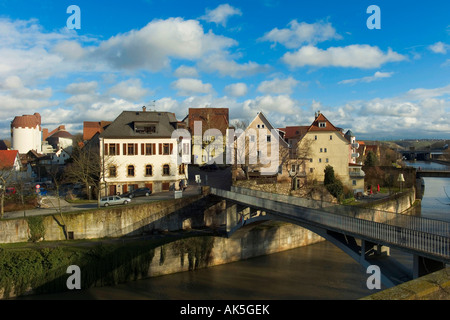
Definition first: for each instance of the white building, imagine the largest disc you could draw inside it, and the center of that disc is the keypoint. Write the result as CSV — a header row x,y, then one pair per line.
x,y
26,133
138,150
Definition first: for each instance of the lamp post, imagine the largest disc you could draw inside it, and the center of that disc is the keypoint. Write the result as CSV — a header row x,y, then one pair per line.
x,y
401,179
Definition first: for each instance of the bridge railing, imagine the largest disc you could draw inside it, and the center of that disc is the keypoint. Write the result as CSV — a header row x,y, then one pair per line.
x,y
400,233
432,226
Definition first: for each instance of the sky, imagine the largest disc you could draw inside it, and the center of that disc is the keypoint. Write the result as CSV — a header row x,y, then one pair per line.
x,y
287,59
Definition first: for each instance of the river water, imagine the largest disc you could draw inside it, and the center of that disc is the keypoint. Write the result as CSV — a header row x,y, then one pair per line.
x,y
319,271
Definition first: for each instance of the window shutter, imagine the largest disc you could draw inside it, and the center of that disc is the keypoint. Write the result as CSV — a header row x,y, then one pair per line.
x,y
160,148
136,152
118,149
170,148
142,149
124,149
154,148
106,149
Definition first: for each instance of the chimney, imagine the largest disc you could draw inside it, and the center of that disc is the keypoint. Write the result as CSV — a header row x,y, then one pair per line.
x,y
144,108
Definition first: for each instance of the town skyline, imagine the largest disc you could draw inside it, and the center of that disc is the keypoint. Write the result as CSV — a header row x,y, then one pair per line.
x,y
285,59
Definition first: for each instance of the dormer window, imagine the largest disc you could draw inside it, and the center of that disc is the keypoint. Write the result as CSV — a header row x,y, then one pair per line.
x,y
145,127
322,124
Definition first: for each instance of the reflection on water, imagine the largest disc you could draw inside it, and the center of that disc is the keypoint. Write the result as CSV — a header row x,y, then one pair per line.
x,y
319,271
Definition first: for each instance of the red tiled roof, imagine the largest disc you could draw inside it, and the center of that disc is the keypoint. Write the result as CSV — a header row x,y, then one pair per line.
x,y
293,131
90,128
321,118
218,119
26,121
7,158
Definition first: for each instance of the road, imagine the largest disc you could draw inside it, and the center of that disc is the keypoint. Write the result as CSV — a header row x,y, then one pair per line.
x,y
70,207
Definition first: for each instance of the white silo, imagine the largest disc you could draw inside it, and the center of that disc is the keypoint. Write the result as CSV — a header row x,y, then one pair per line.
x,y
26,133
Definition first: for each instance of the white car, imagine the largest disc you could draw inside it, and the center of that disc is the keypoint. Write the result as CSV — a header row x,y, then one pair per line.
x,y
113,200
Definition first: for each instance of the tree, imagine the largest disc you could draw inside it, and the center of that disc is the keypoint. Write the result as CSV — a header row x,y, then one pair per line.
x,y
332,184
371,159
294,160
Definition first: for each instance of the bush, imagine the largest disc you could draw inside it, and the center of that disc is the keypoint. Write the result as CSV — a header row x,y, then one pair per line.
x,y
336,189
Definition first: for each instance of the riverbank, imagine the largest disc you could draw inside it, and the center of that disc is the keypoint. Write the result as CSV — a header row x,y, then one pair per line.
x,y
50,260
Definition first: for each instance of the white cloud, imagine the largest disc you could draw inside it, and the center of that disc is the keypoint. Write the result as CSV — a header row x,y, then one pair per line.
x,y
189,86
236,89
221,14
130,90
82,88
301,33
356,56
278,86
439,47
377,76
152,47
186,72
226,66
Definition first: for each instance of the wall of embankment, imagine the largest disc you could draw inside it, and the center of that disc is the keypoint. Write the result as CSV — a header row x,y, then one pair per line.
x,y
181,255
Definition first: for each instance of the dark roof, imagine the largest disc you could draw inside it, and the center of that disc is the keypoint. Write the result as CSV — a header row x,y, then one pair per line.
x,y
124,126
218,119
294,131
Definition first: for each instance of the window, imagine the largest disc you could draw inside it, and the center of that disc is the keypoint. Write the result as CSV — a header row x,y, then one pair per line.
x,y
112,171
325,150
131,149
165,148
258,126
310,160
181,169
130,171
326,160
331,137
262,126
185,148
293,168
354,182
322,124
166,170
311,170
321,150
315,137
148,170
268,137
145,129
112,149
150,149
320,160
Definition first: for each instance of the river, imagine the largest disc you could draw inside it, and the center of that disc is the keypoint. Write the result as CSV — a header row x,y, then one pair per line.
x,y
319,271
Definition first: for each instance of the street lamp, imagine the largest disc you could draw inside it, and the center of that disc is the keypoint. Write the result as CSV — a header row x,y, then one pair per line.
x,y
401,179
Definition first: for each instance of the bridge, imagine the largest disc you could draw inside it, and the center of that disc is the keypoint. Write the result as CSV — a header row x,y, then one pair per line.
x,y
364,234
425,154
433,173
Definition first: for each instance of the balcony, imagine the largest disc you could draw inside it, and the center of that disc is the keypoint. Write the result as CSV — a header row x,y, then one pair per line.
x,y
355,145
355,155
357,173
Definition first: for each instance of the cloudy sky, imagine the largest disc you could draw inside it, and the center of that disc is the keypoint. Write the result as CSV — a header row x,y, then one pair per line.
x,y
287,59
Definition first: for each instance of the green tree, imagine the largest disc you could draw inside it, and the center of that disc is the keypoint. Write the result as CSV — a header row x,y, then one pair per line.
x,y
329,175
332,184
371,159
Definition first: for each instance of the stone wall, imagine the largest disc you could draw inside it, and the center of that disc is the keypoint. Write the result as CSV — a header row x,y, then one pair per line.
x,y
434,286
112,221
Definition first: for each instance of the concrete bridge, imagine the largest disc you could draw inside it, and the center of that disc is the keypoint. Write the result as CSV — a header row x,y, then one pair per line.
x,y
427,173
364,234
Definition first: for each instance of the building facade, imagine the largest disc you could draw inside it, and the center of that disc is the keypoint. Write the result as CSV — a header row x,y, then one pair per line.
x,y
138,149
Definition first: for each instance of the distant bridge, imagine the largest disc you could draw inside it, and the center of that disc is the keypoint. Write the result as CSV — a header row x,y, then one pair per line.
x,y
361,233
445,173
425,154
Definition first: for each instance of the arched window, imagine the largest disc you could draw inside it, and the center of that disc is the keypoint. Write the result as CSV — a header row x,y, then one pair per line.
x,y
130,171
112,171
148,170
166,170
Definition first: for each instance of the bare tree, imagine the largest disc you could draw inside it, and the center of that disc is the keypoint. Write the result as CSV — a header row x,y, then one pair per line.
x,y
293,161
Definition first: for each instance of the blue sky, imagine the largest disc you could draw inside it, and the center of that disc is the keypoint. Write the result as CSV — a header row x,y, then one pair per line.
x,y
285,58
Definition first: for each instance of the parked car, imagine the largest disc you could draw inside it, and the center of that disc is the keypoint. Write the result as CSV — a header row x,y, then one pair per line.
x,y
10,191
113,200
138,193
